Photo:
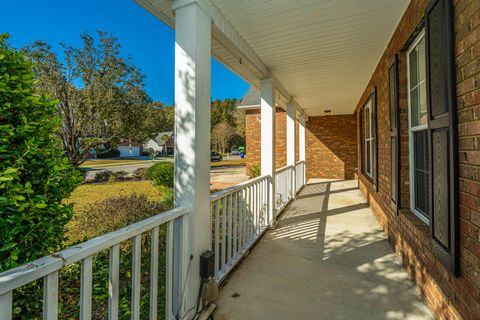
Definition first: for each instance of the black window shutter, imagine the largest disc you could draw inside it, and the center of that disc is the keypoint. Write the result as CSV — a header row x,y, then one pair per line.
x,y
443,196
394,134
375,138
362,142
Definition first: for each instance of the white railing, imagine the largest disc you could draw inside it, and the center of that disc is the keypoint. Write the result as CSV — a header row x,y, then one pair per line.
x,y
48,268
240,216
299,175
284,187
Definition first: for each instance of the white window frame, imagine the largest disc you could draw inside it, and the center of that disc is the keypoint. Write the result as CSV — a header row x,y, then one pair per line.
x,y
412,130
369,140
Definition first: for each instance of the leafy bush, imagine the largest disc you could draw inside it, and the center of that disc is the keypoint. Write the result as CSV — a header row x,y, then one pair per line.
x,y
255,171
118,176
102,176
140,174
34,174
161,174
115,213
111,153
110,176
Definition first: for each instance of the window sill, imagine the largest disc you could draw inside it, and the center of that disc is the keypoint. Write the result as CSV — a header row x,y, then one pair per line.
x,y
370,181
420,228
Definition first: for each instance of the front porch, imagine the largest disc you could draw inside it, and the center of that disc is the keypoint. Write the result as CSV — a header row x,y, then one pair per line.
x,y
328,258
325,256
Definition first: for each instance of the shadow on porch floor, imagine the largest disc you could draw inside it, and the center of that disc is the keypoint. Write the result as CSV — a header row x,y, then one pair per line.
x,y
327,259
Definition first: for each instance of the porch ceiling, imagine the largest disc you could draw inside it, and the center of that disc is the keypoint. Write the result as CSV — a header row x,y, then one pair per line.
x,y
323,52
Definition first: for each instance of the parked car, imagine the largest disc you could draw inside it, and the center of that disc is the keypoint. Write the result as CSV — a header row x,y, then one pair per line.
x,y
215,156
235,152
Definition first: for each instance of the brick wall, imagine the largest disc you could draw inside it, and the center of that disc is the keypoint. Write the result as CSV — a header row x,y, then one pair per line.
x,y
330,143
331,147
253,137
448,296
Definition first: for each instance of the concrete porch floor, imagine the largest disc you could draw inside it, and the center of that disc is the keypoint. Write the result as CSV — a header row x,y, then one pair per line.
x,y
327,259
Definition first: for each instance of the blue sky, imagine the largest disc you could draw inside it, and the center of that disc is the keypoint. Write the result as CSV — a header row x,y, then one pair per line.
x,y
147,40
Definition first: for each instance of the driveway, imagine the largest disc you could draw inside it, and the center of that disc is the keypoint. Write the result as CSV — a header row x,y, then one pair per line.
x,y
224,177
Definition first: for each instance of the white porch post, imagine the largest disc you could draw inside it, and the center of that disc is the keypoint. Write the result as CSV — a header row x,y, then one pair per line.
x,y
301,143
192,142
291,112
267,106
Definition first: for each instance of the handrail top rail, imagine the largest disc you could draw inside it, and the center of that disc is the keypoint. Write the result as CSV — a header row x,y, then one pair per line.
x,y
225,192
26,273
299,162
285,168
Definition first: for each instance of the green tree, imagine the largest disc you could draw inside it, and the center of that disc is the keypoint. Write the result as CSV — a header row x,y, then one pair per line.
x,y
240,128
100,94
223,111
225,114
35,176
222,135
164,116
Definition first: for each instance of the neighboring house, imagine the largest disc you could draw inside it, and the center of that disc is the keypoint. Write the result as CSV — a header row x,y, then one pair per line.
x,y
128,149
164,142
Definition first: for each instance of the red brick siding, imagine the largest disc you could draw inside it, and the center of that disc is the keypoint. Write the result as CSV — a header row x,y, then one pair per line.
x,y
253,137
331,147
449,297
330,143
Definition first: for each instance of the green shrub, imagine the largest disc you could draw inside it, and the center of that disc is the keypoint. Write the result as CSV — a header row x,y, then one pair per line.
x,y
111,153
35,176
161,174
102,176
114,213
110,176
255,171
118,176
140,174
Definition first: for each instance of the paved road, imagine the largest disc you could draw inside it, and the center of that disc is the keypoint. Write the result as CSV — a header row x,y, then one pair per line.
x,y
130,168
221,177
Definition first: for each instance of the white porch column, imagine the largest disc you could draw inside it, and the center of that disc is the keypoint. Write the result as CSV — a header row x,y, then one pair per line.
x,y
192,141
291,117
301,143
267,106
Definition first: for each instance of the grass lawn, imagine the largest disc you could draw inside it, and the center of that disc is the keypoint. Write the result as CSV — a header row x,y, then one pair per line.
x,y
88,194
105,163
225,162
110,162
92,193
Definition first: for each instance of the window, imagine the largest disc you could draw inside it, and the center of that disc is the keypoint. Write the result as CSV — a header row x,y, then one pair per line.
x,y
418,128
369,139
